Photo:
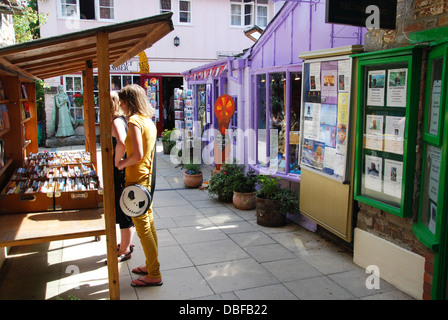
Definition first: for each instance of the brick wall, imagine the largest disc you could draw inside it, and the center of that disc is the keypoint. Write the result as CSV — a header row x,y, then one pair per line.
x,y
412,16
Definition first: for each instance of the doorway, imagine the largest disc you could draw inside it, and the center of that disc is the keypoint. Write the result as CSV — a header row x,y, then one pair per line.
x,y
168,86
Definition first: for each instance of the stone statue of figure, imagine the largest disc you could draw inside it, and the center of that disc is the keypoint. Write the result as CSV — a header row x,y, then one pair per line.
x,y
62,121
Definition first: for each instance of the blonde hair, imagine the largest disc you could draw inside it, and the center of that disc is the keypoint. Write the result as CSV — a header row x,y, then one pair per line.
x,y
115,109
135,97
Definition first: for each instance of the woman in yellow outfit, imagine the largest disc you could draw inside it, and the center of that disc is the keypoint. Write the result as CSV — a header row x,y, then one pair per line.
x,y
140,142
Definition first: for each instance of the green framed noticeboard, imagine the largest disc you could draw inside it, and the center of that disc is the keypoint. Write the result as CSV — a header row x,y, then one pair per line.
x,y
387,113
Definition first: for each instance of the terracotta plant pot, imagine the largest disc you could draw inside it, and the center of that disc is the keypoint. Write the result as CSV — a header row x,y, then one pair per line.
x,y
244,201
193,180
268,213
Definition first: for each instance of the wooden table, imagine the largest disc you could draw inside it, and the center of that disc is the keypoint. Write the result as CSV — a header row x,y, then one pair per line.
x,y
18,229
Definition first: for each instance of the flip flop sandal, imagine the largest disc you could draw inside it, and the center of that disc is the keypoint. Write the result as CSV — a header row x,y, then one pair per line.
x,y
131,247
125,256
137,270
146,284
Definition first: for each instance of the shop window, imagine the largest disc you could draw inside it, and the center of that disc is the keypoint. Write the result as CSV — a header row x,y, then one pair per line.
x,y
73,85
116,81
260,105
165,6
277,121
294,125
184,11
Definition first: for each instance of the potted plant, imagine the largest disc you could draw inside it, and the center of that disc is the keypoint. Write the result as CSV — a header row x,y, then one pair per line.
x,y
221,182
244,193
274,202
193,175
166,141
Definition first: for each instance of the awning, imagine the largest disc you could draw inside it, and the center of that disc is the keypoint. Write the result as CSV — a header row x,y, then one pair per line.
x,y
68,53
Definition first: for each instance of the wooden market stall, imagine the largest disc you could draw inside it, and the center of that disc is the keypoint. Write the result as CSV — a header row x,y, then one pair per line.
x,y
82,51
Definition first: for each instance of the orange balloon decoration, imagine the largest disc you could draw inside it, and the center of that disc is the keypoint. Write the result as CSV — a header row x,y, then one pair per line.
x,y
224,110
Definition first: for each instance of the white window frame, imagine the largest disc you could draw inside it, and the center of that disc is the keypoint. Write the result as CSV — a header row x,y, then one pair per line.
x,y
165,10
73,108
60,12
77,16
254,5
97,11
190,12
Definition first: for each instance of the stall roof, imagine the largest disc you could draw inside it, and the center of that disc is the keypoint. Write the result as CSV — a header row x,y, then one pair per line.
x,y
68,53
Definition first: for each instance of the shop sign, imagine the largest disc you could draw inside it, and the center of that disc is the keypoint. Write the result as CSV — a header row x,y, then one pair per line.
x,y
377,14
128,66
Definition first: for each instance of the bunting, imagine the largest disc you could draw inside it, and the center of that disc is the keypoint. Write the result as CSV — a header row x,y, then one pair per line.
x,y
203,75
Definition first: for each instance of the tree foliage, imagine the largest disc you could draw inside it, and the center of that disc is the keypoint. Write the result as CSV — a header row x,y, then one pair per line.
x,y
27,25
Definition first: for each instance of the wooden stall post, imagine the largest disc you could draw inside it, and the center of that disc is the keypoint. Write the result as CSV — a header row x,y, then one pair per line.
x,y
89,112
107,161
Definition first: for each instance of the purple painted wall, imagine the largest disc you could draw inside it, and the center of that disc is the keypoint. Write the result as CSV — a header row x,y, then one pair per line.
x,y
300,27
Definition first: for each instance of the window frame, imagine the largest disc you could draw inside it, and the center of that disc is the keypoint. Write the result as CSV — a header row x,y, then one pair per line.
x,y
254,5
189,12
288,72
162,11
98,11
77,16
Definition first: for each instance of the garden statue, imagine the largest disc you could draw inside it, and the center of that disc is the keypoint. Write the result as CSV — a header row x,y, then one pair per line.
x,y
62,121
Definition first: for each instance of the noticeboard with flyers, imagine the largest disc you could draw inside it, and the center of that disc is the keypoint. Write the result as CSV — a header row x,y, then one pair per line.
x,y
387,113
325,116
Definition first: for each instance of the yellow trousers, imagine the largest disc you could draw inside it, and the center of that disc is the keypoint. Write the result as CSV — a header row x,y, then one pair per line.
x,y
146,231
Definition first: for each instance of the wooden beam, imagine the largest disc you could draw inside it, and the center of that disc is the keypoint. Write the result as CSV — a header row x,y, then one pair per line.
x,y
89,113
107,160
156,34
21,72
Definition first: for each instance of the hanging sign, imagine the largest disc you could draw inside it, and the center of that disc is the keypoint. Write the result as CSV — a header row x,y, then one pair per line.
x,y
224,110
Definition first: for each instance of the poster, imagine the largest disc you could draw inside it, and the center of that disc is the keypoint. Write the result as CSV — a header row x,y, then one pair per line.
x,y
313,153
376,85
394,134
328,135
396,87
343,100
435,107
374,132
393,177
329,89
311,123
433,156
344,79
315,76
329,114
373,179
432,217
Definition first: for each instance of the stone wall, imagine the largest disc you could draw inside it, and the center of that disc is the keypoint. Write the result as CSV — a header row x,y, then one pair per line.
x,y
7,36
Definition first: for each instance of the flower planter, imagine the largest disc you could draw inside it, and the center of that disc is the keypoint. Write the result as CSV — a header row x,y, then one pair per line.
x,y
268,213
244,201
193,180
166,147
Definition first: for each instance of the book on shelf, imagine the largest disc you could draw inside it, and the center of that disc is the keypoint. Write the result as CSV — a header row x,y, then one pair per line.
x,y
5,116
2,153
26,109
24,94
2,91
